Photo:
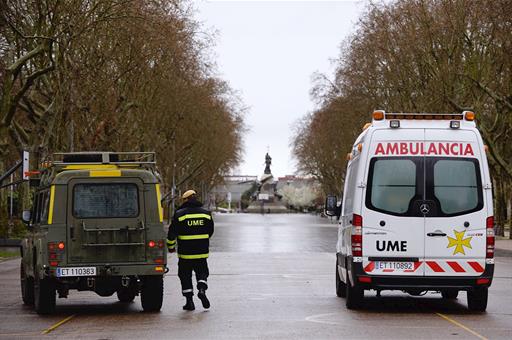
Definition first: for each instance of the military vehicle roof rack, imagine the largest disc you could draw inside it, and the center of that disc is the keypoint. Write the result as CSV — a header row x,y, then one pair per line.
x,y
101,157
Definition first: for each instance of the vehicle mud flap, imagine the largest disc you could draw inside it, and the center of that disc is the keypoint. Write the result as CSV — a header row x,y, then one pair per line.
x,y
27,287
44,295
152,293
477,299
355,296
341,287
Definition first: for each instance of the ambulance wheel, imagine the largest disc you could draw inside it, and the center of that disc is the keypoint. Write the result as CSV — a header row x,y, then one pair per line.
x,y
477,299
27,287
341,287
152,293
355,296
44,295
126,294
450,294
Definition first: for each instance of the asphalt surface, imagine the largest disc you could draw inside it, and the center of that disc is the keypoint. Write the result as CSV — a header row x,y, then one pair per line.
x,y
272,277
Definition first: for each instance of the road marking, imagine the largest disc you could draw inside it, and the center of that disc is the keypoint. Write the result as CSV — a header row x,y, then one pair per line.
x,y
60,323
462,326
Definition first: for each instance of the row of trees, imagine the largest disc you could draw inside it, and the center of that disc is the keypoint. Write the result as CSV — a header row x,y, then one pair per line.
x,y
122,75
417,56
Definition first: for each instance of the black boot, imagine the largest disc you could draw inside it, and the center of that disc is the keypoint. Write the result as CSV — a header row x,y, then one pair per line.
x,y
190,304
202,296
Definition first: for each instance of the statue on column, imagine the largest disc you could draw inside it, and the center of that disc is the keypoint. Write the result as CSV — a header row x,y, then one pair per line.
x,y
268,161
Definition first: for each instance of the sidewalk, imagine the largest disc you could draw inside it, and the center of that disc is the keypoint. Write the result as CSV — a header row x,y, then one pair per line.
x,y
503,247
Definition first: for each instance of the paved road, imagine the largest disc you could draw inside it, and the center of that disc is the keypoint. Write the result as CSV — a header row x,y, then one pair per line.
x,y
271,277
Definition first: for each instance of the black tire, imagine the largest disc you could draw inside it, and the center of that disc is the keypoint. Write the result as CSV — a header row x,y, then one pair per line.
x,y
477,299
27,287
126,294
341,287
449,294
152,293
355,296
44,295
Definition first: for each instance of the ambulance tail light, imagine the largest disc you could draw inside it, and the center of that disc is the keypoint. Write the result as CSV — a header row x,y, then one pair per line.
x,y
357,235
490,237
483,281
364,279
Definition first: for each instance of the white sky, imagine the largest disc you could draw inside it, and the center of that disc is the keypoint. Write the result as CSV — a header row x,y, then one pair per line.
x,y
268,51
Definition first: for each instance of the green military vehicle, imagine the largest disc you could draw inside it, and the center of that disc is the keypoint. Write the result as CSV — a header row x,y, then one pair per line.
x,y
96,225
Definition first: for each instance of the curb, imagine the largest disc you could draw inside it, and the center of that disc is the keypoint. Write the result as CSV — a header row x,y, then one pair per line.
x,y
502,252
7,242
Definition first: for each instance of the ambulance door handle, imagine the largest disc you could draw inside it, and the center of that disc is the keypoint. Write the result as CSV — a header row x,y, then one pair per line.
x,y
436,234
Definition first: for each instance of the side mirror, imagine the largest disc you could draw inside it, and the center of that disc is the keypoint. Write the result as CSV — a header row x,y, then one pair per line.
x,y
25,217
331,205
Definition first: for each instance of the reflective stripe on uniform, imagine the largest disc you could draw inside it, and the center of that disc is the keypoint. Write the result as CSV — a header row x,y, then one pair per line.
x,y
203,281
193,257
187,291
169,242
193,237
188,216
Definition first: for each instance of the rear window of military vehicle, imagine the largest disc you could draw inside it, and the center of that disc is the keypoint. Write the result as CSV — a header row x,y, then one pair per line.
x,y
113,200
393,185
456,186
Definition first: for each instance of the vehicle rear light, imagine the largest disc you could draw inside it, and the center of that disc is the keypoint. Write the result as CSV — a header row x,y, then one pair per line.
x,y
151,244
357,220
455,124
159,269
365,279
51,246
159,260
490,237
54,263
53,256
61,245
160,243
482,281
357,235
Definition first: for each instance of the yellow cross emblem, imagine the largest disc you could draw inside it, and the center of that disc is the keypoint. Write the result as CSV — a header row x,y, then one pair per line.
x,y
459,242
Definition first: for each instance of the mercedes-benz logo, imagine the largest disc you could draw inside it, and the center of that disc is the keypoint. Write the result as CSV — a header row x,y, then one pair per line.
x,y
424,208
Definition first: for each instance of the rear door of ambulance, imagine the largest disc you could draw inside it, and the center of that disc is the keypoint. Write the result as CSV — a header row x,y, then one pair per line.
x,y
455,227
393,226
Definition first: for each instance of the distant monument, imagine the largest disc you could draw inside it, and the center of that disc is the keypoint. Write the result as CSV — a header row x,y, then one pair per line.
x,y
266,199
268,162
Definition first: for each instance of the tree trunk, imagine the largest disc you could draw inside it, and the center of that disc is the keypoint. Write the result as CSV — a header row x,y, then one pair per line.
x,y
500,208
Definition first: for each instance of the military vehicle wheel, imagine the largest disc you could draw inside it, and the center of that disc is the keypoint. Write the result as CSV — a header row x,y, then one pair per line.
x,y
477,299
27,287
450,294
44,295
152,293
341,287
355,296
126,294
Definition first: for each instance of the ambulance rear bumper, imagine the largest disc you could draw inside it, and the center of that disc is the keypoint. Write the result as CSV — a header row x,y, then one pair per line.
x,y
395,282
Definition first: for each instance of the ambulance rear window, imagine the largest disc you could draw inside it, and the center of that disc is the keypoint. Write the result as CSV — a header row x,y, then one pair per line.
x,y
456,185
393,185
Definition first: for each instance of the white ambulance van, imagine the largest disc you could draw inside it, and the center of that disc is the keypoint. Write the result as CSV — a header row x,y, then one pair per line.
x,y
417,210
